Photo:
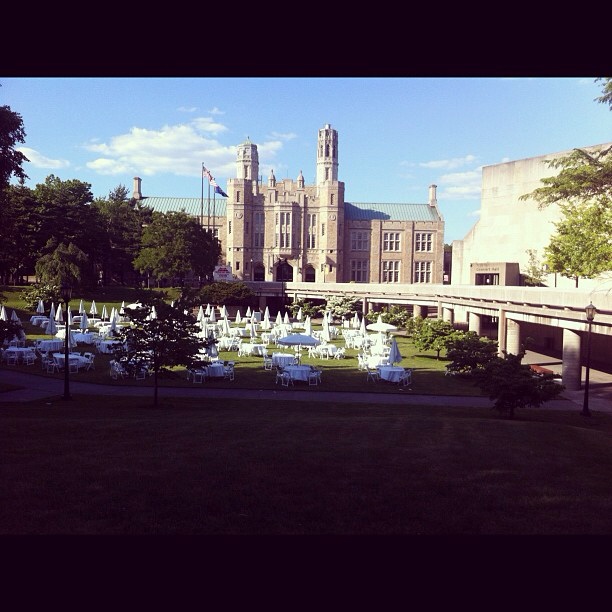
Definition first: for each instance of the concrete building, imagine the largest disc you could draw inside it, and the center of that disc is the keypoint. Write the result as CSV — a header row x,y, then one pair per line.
x,y
495,250
285,230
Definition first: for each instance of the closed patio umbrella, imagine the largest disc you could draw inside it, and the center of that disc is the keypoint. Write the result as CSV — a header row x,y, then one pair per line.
x,y
394,353
51,328
200,313
94,309
84,324
212,318
308,326
81,307
104,314
59,315
3,315
238,318
40,309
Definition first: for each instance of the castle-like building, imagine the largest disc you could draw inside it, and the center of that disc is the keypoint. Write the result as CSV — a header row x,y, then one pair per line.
x,y
289,231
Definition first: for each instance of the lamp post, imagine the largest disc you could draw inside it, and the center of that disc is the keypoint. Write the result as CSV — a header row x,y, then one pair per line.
x,y
66,295
590,315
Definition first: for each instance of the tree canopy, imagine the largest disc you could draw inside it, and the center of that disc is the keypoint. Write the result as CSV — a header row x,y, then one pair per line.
x,y
12,132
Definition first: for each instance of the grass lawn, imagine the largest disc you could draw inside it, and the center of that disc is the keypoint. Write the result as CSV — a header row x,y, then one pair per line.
x,y
97,467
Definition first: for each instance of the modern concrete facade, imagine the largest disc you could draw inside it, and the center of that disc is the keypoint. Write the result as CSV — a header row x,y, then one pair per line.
x,y
509,227
285,230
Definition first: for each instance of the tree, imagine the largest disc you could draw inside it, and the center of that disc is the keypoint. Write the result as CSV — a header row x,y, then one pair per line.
x,y
534,272
11,160
583,191
309,308
393,315
62,265
342,306
175,244
9,330
434,334
513,385
165,339
469,352
225,292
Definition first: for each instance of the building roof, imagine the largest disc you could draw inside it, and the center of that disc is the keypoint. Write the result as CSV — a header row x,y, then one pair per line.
x,y
362,211
355,211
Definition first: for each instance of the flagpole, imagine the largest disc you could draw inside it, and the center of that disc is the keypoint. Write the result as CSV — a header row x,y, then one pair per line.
x,y
202,199
208,204
214,202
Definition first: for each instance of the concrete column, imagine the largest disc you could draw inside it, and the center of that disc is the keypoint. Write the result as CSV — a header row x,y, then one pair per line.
x,y
364,305
501,331
448,314
513,336
419,311
474,322
571,371
439,315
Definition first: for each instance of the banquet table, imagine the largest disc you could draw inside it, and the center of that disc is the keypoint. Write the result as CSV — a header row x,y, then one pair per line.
x,y
391,373
49,345
282,359
215,370
85,337
298,372
375,361
249,348
20,351
73,358
107,346
326,350
38,319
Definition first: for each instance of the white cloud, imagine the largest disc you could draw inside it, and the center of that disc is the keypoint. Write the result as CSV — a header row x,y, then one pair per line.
x,y
449,164
461,185
40,161
281,136
187,109
179,149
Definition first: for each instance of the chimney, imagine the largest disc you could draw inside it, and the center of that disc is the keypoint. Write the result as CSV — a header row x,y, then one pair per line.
x,y
433,200
137,194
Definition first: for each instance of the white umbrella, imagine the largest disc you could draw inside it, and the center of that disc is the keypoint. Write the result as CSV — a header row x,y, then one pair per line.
x,y
252,330
279,318
14,317
153,313
248,312
122,309
104,314
81,307
207,311
212,317
59,315
362,327
51,328
3,315
69,317
379,326
355,322
308,326
223,312
226,326
113,324
326,334
266,320
286,320
394,353
93,310
40,309
200,313
298,340
52,312
300,314
84,324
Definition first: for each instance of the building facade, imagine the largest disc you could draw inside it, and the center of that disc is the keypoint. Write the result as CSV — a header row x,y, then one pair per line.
x,y
510,227
285,230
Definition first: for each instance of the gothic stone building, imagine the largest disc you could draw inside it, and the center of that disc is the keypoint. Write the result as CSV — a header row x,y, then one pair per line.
x,y
288,231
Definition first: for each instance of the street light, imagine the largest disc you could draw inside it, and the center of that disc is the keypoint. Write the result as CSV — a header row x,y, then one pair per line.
x,y
590,315
66,295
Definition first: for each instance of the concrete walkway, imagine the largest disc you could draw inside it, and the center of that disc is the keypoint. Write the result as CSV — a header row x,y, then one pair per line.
x,y
38,387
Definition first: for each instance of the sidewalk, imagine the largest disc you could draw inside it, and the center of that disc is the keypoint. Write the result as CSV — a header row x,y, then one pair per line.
x,y
37,387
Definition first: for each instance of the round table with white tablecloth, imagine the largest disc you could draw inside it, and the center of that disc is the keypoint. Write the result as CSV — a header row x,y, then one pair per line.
x,y
108,346
44,346
391,373
249,348
282,359
298,372
20,352
215,370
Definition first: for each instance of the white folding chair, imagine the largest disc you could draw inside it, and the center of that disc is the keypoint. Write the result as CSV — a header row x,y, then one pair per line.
x,y
373,375
286,379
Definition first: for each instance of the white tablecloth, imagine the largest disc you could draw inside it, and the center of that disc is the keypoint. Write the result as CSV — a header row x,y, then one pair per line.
x,y
247,348
282,359
215,370
298,372
108,346
72,358
391,373
50,345
20,351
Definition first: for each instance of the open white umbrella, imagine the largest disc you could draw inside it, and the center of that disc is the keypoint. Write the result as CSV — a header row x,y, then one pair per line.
x,y
40,309
94,309
394,353
84,324
379,326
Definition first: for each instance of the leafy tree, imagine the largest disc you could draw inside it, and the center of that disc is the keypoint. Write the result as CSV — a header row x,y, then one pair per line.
x,y
309,308
534,272
40,291
166,340
62,264
413,325
175,244
606,95
9,330
123,219
12,132
393,315
469,352
342,306
513,385
434,334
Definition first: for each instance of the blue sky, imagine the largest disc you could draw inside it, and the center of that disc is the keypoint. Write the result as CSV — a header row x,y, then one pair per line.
x,y
396,135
